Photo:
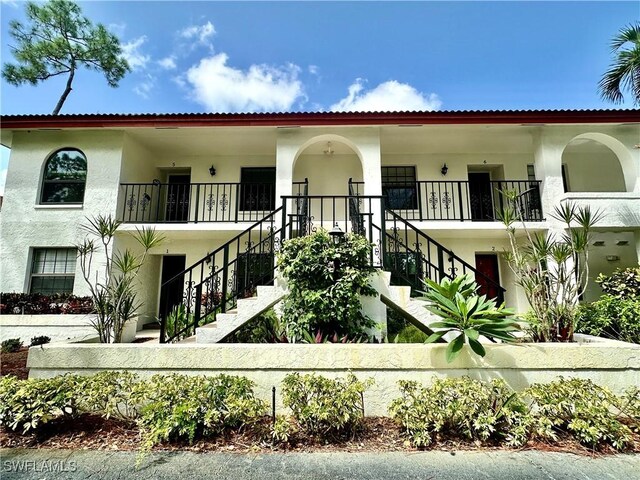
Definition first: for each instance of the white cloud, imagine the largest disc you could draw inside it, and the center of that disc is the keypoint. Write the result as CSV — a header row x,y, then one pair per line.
x,y
168,63
387,97
144,88
117,28
313,69
11,3
222,88
201,34
133,55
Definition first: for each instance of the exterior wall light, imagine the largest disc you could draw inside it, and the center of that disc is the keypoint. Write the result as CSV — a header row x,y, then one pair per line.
x,y
212,171
444,169
336,234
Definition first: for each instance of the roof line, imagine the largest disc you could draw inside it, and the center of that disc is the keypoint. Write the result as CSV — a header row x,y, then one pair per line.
x,y
295,119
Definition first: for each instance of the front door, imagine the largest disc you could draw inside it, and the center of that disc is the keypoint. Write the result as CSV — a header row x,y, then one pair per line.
x,y
487,265
178,194
480,196
171,296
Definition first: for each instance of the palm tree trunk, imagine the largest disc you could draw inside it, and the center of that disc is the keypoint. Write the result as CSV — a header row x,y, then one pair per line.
x,y
65,94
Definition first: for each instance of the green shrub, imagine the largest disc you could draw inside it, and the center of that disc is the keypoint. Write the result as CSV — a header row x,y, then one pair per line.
x,y
114,394
460,408
185,407
28,404
282,430
319,299
410,334
323,406
611,317
11,345
465,312
40,340
265,328
579,407
629,406
624,283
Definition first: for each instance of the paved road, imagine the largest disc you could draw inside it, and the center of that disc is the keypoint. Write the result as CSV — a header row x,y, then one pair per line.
x,y
39,465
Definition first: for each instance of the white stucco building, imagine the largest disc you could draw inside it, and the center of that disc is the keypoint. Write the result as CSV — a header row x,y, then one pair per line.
x,y
203,179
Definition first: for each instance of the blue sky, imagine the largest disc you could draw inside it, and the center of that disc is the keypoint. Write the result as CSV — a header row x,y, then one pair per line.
x,y
308,56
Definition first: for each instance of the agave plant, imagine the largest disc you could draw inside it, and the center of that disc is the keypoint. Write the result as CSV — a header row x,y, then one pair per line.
x,y
467,313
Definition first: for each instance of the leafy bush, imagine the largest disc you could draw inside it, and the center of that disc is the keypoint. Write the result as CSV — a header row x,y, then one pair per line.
x,y
11,345
185,407
28,404
623,283
40,340
410,334
113,394
319,299
579,407
323,406
282,430
629,406
612,317
265,328
39,304
467,313
460,408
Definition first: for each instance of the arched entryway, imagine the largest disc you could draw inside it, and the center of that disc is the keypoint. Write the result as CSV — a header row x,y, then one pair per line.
x,y
328,161
595,162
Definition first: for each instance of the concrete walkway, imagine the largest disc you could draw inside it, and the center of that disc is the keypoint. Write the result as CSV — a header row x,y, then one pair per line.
x,y
48,464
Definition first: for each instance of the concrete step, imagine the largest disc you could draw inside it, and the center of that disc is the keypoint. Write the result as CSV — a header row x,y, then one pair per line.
x,y
228,323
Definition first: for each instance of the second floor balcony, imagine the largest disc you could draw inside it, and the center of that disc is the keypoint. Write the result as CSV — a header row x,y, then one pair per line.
x,y
464,200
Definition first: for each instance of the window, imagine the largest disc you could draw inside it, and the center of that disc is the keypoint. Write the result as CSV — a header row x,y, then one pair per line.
x,y
531,172
399,186
258,189
64,177
53,270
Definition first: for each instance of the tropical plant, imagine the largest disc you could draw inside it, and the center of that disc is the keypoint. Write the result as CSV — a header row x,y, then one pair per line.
x,y
324,406
611,317
470,315
553,270
114,291
39,340
460,408
623,283
321,297
58,40
624,72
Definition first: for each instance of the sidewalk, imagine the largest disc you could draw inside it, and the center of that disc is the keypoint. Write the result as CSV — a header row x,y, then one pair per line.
x,y
66,464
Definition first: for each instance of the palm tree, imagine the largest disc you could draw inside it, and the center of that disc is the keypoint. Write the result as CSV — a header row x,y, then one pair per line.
x,y
625,70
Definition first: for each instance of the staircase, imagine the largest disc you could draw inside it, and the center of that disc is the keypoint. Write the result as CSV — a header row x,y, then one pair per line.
x,y
228,323
219,291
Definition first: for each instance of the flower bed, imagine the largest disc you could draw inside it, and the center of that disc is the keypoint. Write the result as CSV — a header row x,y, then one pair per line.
x,y
38,304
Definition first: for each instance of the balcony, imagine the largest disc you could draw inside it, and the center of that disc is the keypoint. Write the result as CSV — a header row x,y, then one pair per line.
x,y
459,200
198,202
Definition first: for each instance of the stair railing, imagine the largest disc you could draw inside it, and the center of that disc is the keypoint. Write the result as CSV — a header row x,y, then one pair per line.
x,y
214,284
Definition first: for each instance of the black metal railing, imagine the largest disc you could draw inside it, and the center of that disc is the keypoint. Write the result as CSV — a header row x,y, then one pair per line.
x,y
411,255
199,202
459,200
215,283
304,215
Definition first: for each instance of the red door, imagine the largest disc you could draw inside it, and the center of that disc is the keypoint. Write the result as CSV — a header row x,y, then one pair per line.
x,y
487,267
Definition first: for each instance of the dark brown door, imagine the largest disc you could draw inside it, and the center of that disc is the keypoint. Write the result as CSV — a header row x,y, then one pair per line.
x,y
488,276
178,193
480,196
171,296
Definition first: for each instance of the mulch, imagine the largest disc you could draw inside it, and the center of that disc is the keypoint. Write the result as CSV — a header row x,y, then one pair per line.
x,y
15,364
378,434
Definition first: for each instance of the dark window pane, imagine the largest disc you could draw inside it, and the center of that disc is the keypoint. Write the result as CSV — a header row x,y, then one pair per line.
x,y
49,285
400,187
258,189
53,270
64,177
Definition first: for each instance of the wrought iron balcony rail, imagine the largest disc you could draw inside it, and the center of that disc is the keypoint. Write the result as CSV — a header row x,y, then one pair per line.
x,y
158,202
459,200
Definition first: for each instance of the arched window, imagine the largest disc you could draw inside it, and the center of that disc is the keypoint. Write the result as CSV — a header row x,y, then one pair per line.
x,y
64,177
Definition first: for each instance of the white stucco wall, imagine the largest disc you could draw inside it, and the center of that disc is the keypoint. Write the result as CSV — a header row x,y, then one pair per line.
x,y
24,224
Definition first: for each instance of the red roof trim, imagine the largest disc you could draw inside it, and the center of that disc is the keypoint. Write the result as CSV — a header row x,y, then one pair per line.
x,y
318,118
